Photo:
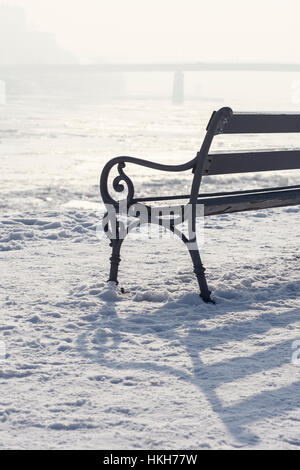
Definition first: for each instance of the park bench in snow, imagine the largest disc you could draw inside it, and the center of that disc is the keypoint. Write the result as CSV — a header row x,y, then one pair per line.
x,y
224,121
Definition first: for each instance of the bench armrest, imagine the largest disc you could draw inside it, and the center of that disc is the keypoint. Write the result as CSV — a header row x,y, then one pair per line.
x,y
121,164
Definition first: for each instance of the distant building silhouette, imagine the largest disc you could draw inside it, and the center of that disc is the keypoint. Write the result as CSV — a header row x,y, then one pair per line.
x,y
21,45
30,51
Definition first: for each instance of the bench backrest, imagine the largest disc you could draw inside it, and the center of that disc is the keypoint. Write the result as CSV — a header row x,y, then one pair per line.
x,y
254,161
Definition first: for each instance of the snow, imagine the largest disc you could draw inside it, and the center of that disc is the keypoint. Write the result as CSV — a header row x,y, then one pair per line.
x,y
155,367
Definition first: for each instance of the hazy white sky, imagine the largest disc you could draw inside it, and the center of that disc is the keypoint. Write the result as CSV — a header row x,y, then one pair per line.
x,y
171,30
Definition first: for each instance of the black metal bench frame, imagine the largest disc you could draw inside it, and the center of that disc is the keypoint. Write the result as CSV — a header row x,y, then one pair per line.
x,y
224,121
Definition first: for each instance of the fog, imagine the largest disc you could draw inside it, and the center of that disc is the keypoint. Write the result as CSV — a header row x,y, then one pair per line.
x,y
168,30
84,32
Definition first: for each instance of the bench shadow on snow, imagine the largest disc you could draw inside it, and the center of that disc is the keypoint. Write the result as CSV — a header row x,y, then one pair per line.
x,y
164,322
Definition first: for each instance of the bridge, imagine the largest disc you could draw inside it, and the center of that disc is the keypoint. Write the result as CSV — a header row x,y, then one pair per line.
x,y
178,69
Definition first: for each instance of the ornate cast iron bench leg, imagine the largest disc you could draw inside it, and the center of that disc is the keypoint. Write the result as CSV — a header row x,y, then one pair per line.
x,y
115,243
199,270
115,260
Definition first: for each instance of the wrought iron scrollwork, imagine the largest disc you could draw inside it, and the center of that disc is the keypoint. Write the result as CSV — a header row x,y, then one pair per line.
x,y
119,187
121,183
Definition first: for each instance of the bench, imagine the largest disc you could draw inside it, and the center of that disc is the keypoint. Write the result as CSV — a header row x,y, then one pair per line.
x,y
223,121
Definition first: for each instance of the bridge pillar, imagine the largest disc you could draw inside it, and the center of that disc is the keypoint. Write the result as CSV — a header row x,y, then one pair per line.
x,y
178,87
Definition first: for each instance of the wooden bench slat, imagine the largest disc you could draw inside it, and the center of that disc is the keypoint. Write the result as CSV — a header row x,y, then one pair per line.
x,y
246,202
241,123
207,195
245,162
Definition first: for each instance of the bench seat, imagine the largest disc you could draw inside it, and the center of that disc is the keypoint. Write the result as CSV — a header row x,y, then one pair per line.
x,y
227,203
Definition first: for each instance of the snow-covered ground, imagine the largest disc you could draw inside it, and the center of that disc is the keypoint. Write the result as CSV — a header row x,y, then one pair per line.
x,y
87,367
